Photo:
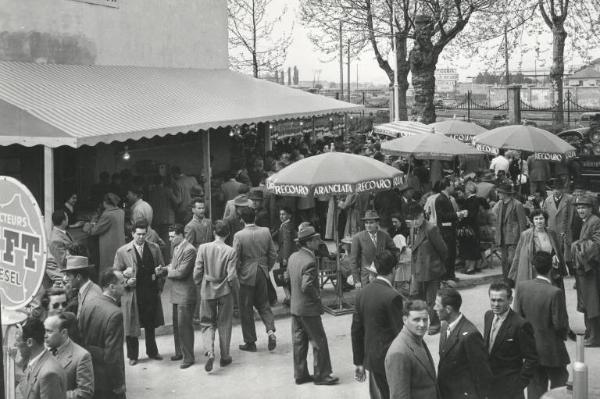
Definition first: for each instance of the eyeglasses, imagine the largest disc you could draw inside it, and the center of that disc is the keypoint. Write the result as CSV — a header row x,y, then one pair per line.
x,y
57,305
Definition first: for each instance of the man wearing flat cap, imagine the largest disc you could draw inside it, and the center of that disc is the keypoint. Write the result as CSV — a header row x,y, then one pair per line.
x,y
586,261
366,245
306,311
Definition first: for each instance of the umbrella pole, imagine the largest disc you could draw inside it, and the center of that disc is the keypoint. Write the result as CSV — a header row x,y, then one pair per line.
x,y
336,238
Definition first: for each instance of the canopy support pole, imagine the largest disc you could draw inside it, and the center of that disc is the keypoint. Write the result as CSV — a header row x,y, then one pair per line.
x,y
340,307
48,187
208,172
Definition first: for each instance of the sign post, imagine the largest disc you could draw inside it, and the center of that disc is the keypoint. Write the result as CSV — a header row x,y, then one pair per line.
x,y
23,252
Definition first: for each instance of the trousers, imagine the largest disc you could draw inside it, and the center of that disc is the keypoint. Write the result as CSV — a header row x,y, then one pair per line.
x,y
183,331
378,386
307,329
133,344
427,291
216,314
507,253
557,376
255,297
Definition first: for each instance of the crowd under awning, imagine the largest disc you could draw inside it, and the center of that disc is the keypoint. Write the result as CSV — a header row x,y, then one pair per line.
x,y
74,105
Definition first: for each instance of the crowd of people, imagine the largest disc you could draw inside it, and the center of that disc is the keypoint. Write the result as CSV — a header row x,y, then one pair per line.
x,y
402,247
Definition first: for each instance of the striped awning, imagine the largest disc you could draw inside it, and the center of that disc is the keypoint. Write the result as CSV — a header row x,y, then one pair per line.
x,y
401,129
77,105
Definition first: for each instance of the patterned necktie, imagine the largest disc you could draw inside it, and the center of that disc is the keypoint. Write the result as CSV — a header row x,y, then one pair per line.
x,y
494,331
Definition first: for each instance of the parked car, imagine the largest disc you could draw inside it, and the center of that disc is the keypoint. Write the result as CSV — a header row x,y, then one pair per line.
x,y
586,118
585,166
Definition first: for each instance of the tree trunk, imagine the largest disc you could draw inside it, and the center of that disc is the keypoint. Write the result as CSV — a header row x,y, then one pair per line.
x,y
403,69
254,64
423,60
559,36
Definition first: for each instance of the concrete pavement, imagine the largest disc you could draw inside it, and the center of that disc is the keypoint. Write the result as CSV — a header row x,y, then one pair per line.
x,y
269,374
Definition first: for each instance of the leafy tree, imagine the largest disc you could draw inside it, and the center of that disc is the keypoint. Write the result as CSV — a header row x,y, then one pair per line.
x,y
253,44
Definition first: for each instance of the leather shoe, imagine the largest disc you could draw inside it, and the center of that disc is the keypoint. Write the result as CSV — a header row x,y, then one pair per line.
x,y
156,357
176,358
272,342
209,363
329,380
185,365
225,362
132,362
304,380
248,347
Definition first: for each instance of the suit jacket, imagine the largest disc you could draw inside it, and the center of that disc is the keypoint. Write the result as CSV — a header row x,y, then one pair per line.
x,y
513,358
304,284
110,229
285,241
560,219
409,369
586,256
464,368
235,224
60,245
256,251
90,291
522,266
215,269
543,305
363,251
77,363
511,221
126,258
183,290
429,252
376,321
230,189
45,380
198,231
101,326
141,210
539,169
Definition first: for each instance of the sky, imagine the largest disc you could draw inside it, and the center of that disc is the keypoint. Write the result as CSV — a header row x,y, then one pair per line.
x,y
309,61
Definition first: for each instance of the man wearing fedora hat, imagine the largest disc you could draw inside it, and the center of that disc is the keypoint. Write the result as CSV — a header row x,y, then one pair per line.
x,y
233,221
77,275
306,312
560,210
367,244
586,254
511,221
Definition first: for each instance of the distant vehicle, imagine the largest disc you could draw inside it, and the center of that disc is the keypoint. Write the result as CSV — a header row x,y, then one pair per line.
x,y
585,166
586,118
439,103
499,120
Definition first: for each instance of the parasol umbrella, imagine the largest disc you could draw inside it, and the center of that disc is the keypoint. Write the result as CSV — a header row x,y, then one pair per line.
x,y
430,146
401,129
457,129
333,174
542,143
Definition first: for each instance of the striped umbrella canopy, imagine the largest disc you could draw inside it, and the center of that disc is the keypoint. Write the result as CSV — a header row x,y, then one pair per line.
x,y
429,146
542,143
457,129
401,129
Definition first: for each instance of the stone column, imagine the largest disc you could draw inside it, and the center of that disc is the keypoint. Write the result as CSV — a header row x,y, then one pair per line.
x,y
514,104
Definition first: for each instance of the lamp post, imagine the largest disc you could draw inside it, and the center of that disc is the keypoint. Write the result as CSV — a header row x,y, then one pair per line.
x,y
395,59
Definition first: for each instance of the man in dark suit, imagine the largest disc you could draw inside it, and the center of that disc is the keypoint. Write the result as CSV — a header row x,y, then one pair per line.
x,y
447,217
366,245
76,361
44,377
428,254
285,236
183,294
101,326
543,305
511,221
376,321
256,257
306,312
409,367
464,368
510,342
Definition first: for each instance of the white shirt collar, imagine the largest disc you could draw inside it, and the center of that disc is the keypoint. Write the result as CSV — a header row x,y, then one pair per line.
x,y
454,323
544,278
384,279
